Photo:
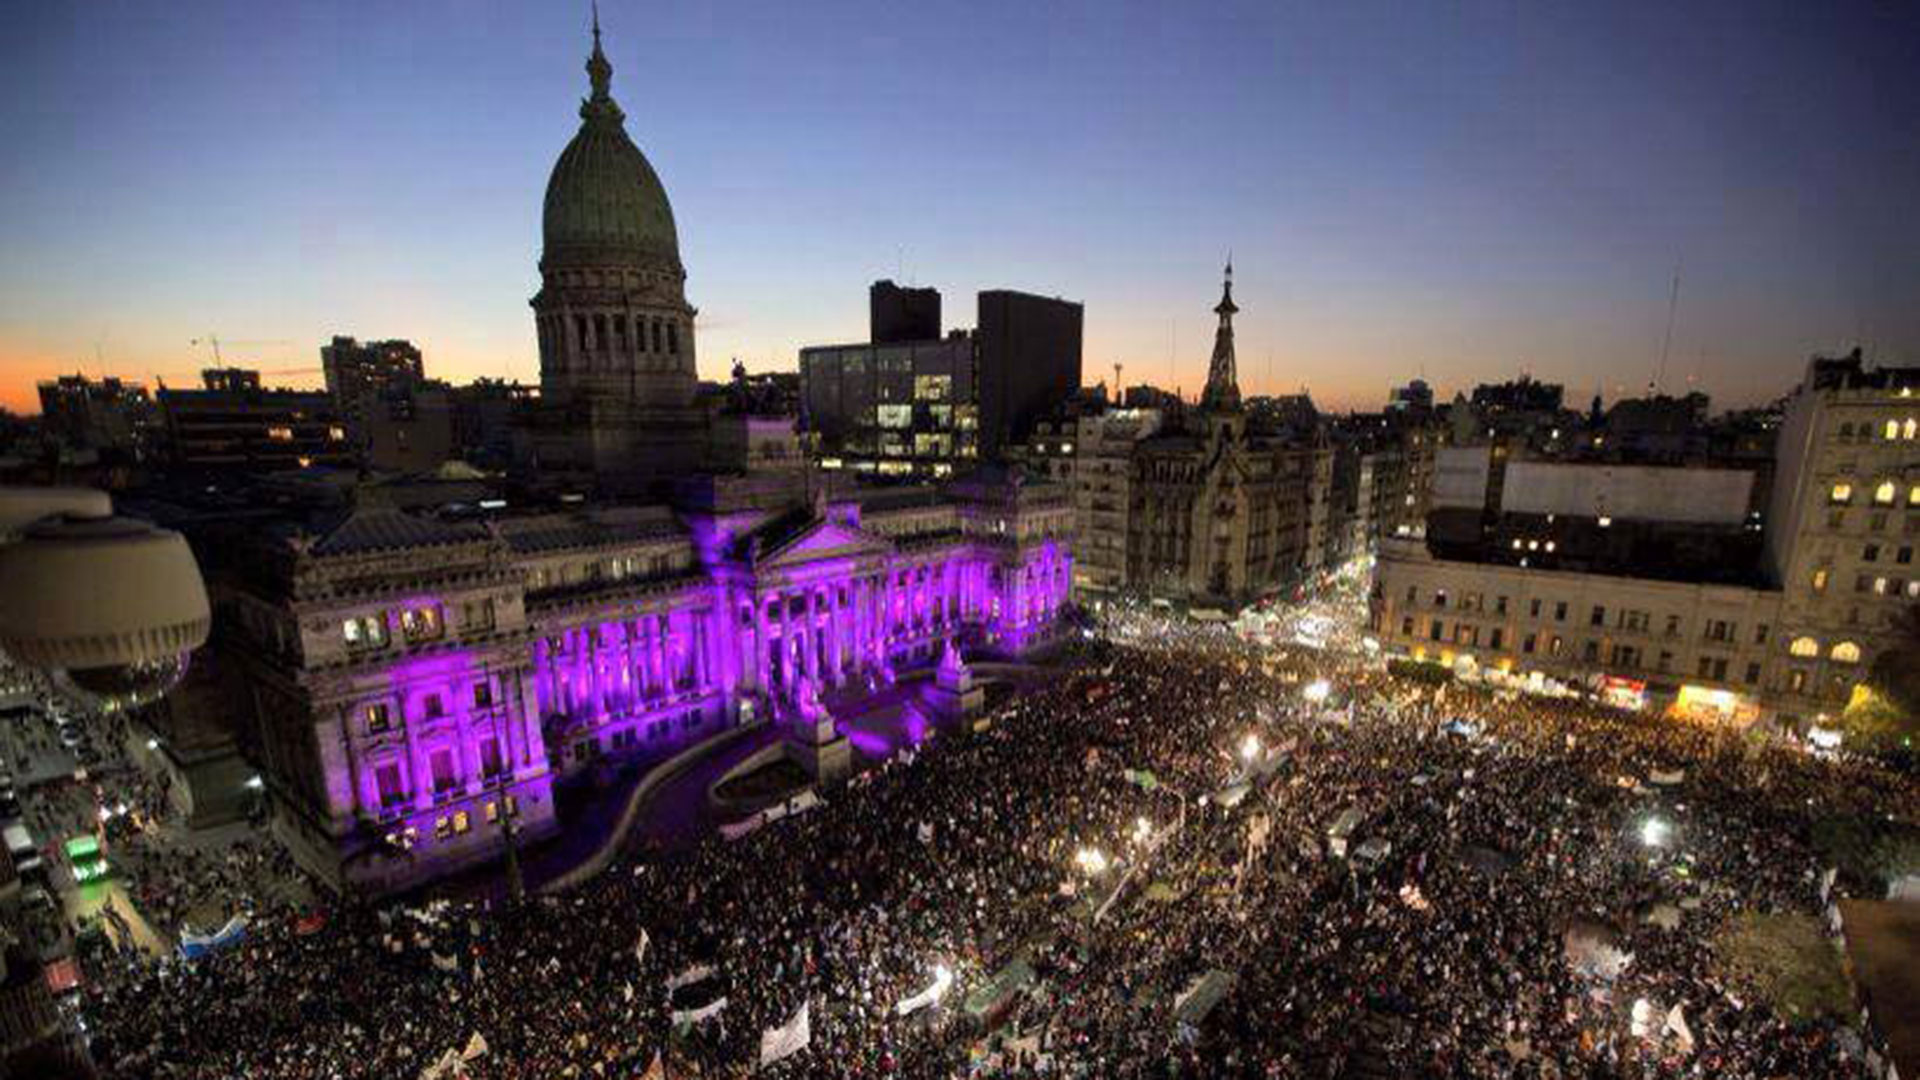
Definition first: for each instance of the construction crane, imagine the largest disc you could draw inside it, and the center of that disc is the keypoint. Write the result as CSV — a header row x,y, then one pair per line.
x,y
213,342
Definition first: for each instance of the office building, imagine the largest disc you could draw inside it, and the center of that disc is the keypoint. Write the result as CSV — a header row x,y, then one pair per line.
x,y
897,314
1029,362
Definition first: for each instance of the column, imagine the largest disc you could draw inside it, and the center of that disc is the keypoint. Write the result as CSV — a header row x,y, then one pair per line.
x,y
419,777
812,637
835,625
760,634
786,641
657,653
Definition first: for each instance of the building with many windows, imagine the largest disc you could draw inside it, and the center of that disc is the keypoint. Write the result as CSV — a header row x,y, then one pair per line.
x,y
419,684
414,681
1668,586
233,423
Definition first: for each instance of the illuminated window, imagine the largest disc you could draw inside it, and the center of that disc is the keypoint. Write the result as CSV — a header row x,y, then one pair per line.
x,y
1883,495
1820,580
1804,646
378,719
420,624
1892,429
280,433
1913,495
492,810
1846,652
461,822
365,632
1841,494
1910,429
336,433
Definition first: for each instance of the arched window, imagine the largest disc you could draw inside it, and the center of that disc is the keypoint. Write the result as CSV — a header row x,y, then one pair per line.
x,y
1804,646
1883,495
1892,429
1846,652
1910,429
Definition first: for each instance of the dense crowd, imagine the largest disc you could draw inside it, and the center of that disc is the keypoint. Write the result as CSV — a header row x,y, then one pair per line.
x,y
1205,777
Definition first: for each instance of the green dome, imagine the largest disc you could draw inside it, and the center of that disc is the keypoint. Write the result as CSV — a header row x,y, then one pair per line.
x,y
605,204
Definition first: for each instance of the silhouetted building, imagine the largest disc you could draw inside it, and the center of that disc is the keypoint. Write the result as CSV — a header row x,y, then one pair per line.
x,y
1029,356
357,369
232,423
1524,394
105,414
618,385
1416,396
897,314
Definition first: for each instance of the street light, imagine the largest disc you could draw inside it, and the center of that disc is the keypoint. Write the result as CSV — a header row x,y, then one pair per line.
x,y
1654,832
1090,861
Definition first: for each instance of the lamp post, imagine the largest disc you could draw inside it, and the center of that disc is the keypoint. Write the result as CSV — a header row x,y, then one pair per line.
x,y
509,834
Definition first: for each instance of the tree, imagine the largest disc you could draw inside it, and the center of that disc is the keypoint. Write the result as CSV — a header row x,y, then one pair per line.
x,y
1884,712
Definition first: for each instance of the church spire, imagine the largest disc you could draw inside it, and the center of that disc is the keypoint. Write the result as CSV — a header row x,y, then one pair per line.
x,y
600,76
1223,381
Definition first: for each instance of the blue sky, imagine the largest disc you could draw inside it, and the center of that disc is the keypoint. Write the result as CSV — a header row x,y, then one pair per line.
x,y
1465,190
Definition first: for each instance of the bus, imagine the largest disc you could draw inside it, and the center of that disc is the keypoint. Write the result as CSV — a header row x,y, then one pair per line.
x,y
88,861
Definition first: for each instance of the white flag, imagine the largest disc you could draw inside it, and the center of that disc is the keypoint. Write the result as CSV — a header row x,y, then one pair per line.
x,y
787,1039
476,1047
689,1017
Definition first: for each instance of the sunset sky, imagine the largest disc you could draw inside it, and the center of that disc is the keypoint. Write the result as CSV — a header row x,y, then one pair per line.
x,y
1457,189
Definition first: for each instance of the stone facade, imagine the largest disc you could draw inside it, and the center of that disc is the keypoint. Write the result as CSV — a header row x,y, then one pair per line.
x,y
415,682
1220,515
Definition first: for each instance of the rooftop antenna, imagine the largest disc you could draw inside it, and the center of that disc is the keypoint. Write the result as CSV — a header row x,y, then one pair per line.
x,y
1666,345
1172,348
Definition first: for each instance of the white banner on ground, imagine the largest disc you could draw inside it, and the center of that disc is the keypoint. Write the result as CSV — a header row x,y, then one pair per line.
x,y
789,1038
689,1017
942,982
690,976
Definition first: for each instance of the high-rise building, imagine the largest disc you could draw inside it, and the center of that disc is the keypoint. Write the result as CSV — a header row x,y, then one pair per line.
x,y
357,370
98,414
901,411
896,314
1029,362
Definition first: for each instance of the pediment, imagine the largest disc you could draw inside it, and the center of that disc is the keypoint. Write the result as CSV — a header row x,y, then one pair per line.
x,y
824,540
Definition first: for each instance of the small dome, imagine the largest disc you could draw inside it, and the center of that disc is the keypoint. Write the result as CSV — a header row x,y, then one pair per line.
x,y
605,204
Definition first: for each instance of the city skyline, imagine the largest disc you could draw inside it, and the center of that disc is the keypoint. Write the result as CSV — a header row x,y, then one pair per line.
x,y
286,197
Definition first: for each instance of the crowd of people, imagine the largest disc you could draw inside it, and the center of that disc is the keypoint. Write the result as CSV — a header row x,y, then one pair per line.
x,y
1157,818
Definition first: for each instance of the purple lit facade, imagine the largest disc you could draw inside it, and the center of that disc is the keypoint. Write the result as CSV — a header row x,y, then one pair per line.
x,y
416,683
